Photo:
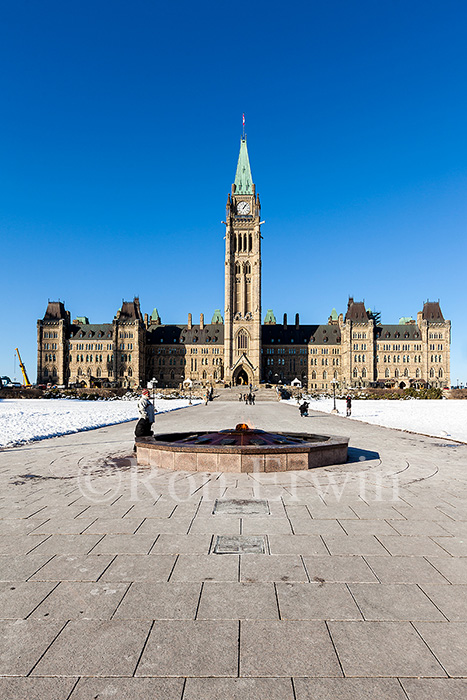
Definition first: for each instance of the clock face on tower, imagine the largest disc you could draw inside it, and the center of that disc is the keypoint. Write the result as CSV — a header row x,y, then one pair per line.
x,y
243,208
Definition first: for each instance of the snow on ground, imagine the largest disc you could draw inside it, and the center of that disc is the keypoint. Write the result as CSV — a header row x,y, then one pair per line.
x,y
25,420
444,418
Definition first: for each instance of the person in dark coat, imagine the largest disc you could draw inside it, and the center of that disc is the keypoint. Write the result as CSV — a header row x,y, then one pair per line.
x,y
348,406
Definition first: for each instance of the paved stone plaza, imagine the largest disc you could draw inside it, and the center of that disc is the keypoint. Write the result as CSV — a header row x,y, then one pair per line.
x,y
110,587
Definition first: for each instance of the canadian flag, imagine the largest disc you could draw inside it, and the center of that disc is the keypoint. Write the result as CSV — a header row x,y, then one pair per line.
x,y
244,119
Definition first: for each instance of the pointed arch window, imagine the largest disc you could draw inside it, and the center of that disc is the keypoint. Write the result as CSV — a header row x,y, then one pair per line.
x,y
242,340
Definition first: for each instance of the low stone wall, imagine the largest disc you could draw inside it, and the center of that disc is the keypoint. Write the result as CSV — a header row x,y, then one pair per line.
x,y
150,452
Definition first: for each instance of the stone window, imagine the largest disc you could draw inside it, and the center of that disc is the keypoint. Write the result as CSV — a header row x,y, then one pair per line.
x,y
242,340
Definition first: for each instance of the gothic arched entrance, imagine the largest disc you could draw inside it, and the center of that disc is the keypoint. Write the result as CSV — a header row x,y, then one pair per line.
x,y
241,377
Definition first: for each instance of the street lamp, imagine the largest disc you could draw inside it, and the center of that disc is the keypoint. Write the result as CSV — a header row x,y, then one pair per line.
x,y
152,385
334,382
189,384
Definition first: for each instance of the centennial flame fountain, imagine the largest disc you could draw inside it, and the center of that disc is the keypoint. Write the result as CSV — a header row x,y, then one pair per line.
x,y
242,449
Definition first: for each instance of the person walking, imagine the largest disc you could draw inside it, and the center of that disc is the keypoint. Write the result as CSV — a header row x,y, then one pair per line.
x,y
348,406
146,416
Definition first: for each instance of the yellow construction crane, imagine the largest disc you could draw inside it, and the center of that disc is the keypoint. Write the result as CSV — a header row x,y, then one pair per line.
x,y
23,370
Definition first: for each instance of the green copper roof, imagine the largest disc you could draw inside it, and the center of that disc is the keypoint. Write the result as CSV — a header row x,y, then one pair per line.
x,y
217,317
155,315
334,315
243,179
269,318
83,320
405,320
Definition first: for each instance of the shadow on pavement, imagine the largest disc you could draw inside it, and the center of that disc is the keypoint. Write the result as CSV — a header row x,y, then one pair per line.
x,y
355,454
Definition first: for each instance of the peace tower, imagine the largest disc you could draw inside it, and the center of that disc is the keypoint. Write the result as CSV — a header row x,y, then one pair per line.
x,y
242,339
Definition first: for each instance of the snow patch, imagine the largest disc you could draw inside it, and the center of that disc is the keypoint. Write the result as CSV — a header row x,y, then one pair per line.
x,y
443,418
26,420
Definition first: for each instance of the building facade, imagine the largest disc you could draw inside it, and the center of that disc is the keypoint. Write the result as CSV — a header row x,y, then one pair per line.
x,y
353,349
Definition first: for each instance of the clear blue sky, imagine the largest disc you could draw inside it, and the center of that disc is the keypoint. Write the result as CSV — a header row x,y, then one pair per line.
x,y
120,126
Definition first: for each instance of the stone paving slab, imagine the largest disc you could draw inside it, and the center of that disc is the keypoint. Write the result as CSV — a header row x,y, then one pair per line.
x,y
359,594
335,569
384,649
305,545
81,600
22,643
256,567
405,569
396,601
348,689
182,544
451,600
361,545
160,601
316,601
95,648
124,544
36,688
21,567
128,689
71,567
206,568
139,567
238,601
313,652
434,688
191,648
239,689
448,642
454,570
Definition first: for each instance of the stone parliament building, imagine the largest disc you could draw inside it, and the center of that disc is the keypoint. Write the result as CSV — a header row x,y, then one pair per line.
x,y
354,349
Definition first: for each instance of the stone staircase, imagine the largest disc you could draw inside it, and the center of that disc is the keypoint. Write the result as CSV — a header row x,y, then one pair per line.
x,y
261,394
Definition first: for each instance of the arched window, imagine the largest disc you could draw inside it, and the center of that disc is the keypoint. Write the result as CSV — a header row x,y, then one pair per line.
x,y
325,375
313,375
432,372
355,374
242,340
98,372
417,373
406,372
440,373
130,372
247,268
386,373
396,373
238,269
364,372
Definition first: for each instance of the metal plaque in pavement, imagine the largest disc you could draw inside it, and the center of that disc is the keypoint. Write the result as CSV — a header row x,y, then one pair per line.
x,y
241,506
239,544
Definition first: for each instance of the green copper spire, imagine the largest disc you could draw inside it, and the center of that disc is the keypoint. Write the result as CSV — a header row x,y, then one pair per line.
x,y
243,179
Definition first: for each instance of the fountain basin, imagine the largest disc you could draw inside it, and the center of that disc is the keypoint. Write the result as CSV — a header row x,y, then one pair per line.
x,y
242,449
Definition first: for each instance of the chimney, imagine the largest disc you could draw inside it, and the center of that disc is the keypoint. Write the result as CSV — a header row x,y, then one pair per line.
x,y
297,321
146,320
285,320
189,322
201,322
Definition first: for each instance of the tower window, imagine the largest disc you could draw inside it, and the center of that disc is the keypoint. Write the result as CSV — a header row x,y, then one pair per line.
x,y
242,340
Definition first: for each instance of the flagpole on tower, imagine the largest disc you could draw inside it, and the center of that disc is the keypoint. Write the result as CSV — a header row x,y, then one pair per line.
x,y
243,125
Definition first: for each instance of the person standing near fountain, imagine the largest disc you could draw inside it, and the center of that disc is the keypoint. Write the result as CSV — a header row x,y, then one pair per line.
x,y
146,416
